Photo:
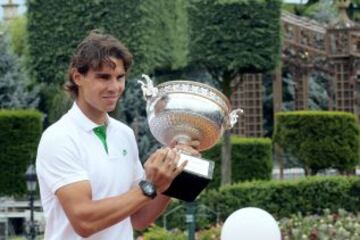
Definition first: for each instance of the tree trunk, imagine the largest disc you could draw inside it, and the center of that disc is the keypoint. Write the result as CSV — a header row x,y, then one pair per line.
x,y
226,159
226,145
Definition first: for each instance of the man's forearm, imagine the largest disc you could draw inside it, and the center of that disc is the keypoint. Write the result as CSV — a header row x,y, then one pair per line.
x,y
88,216
150,212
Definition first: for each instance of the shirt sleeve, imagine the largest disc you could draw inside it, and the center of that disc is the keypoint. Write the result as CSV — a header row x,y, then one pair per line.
x,y
59,162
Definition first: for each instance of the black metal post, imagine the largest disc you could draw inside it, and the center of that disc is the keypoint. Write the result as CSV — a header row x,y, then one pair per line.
x,y
32,222
31,179
190,219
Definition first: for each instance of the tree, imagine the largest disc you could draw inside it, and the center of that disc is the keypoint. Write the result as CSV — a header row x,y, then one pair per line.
x,y
17,32
320,139
131,110
14,85
154,31
232,37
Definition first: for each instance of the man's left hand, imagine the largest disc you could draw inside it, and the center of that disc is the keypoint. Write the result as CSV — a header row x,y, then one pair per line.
x,y
189,148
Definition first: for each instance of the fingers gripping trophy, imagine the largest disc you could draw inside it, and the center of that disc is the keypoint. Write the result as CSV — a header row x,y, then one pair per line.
x,y
183,112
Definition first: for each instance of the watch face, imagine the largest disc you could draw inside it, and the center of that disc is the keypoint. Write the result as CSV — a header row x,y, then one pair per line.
x,y
148,188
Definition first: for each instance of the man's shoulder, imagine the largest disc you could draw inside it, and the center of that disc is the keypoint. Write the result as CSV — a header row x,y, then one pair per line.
x,y
63,128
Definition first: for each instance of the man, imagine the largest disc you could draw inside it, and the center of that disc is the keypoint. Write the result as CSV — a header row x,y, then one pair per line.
x,y
92,184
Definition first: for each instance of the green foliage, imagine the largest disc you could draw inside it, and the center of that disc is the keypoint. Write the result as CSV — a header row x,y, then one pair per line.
x,y
17,32
289,7
20,132
212,233
251,159
15,89
235,36
158,233
60,104
283,198
354,11
320,140
323,11
154,31
132,111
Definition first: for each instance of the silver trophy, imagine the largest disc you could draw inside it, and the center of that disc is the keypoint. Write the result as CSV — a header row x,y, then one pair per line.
x,y
183,111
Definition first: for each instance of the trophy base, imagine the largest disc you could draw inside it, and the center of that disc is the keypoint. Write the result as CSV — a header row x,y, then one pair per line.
x,y
186,186
193,180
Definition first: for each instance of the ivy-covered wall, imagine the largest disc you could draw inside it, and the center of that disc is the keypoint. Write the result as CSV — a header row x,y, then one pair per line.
x,y
154,31
20,132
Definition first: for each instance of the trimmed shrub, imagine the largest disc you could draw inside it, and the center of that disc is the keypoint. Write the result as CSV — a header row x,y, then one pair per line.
x,y
283,198
154,31
251,159
320,140
20,132
235,35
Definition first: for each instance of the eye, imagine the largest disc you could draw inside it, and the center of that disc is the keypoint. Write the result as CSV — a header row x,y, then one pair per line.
x,y
121,78
103,76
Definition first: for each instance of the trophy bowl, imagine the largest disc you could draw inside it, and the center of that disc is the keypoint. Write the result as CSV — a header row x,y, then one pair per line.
x,y
182,111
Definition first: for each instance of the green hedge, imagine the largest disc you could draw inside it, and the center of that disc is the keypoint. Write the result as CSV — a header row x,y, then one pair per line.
x,y
282,198
20,132
235,35
251,159
320,140
154,31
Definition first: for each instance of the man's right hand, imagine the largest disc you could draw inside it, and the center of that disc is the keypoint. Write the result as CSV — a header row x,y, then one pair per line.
x,y
162,167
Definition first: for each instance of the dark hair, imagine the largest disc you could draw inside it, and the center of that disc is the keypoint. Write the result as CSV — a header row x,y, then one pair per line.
x,y
94,51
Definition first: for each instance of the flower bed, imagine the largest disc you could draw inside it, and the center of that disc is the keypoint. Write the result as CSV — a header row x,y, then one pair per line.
x,y
335,226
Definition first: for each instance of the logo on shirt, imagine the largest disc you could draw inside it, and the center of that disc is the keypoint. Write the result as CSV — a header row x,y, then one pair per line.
x,y
124,152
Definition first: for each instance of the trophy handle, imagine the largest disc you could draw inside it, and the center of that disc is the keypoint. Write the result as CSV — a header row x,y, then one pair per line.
x,y
148,89
233,118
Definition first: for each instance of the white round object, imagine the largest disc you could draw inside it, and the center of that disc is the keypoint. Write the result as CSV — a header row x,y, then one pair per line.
x,y
250,224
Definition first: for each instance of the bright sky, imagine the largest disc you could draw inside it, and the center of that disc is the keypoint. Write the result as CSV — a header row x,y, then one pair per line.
x,y
21,8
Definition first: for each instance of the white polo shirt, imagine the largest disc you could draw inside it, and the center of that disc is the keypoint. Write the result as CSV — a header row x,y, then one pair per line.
x,y
69,151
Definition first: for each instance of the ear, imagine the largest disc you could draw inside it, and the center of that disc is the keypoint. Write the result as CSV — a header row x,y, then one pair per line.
x,y
76,76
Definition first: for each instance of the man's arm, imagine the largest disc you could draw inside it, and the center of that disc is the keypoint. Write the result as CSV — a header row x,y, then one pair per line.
x,y
88,216
150,212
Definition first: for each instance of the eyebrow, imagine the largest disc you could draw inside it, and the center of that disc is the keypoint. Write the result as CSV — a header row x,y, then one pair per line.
x,y
107,75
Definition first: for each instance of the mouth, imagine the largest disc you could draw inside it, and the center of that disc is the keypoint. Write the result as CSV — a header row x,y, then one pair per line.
x,y
111,98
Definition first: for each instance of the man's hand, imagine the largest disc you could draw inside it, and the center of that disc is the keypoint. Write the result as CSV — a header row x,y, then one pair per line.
x,y
190,148
162,167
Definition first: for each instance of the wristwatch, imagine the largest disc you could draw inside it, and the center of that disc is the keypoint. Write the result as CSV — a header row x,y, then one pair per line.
x,y
148,188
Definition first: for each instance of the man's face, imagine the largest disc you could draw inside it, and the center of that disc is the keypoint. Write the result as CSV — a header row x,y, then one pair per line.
x,y
100,89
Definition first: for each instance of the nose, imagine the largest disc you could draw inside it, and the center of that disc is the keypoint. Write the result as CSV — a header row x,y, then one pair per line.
x,y
116,85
